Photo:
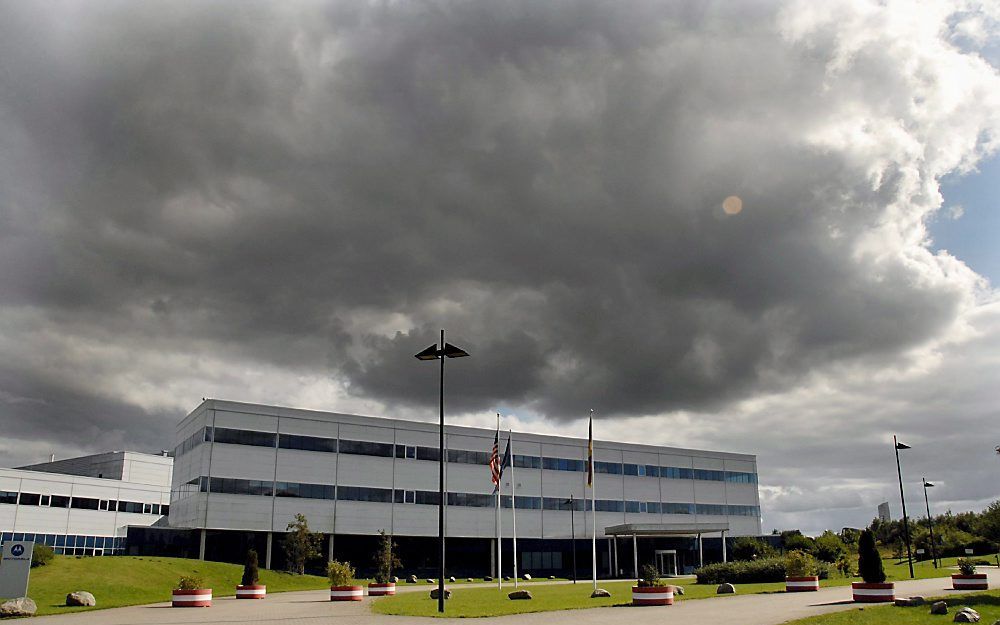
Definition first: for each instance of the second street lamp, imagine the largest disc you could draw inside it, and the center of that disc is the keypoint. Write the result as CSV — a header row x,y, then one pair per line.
x,y
930,521
440,352
902,498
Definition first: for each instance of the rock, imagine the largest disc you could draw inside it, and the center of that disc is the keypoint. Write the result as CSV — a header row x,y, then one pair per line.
x,y
917,600
966,615
678,590
469,579
901,602
394,579
600,592
526,577
488,578
552,576
430,581
725,589
519,594
22,606
411,579
939,607
452,579
81,597
447,593
506,578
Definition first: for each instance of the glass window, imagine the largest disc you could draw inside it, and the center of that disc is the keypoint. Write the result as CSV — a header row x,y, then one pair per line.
x,y
84,503
427,497
44,500
527,462
652,507
428,453
366,448
165,509
8,497
307,443
30,499
244,437
632,506
631,469
102,504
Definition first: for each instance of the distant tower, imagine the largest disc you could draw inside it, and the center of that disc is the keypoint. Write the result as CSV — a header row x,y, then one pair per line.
x,y
883,512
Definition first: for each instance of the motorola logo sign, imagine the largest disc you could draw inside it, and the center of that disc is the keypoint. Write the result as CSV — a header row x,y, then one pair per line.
x,y
17,550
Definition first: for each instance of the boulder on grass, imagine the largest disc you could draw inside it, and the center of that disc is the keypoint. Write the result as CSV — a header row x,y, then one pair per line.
x,y
506,578
678,590
452,579
430,581
519,594
469,579
394,579
447,593
81,597
917,600
22,606
725,589
411,579
939,607
552,576
526,577
966,615
488,578
600,592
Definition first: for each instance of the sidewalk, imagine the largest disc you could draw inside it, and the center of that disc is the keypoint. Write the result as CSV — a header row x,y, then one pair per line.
x,y
313,607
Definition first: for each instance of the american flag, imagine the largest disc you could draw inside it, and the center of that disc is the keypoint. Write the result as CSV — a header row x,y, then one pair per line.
x,y
495,461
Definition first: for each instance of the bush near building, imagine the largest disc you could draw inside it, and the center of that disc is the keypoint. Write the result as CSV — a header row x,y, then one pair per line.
x,y
750,572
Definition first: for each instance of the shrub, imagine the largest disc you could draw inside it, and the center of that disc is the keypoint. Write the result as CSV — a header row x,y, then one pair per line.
x,y
301,544
869,560
793,540
649,577
800,564
42,555
845,566
966,566
385,559
743,572
829,547
251,574
340,573
191,582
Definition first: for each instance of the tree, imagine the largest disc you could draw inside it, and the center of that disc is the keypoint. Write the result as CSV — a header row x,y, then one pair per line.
x,y
795,541
829,547
869,560
301,545
750,548
385,559
251,574
988,524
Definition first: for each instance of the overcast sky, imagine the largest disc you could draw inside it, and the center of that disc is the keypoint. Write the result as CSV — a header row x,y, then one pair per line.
x,y
283,202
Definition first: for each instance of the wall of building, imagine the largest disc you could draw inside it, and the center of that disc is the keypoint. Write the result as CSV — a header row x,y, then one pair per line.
x,y
259,459
127,466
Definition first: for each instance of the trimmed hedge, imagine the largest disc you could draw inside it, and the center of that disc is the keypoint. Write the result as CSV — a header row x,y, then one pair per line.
x,y
748,572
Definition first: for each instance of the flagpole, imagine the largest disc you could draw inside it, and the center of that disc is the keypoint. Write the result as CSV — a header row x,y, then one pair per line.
x,y
513,505
499,537
593,500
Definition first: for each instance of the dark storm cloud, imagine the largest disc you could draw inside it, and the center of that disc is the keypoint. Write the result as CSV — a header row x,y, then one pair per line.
x,y
321,187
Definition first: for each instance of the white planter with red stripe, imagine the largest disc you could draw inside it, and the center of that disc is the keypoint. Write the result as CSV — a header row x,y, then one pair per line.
x,y
652,595
873,593
200,598
347,593
381,590
976,581
256,591
808,583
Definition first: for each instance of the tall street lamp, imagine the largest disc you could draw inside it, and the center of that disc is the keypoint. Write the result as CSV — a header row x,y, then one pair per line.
x,y
930,521
440,352
902,498
572,525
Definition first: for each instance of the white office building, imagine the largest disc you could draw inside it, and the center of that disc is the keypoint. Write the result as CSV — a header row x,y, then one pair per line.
x,y
84,506
243,471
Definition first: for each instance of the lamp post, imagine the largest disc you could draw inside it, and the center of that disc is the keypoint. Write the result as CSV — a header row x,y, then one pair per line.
x,y
902,498
930,522
440,352
572,525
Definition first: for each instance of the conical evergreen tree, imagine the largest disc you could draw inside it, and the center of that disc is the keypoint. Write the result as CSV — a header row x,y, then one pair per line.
x,y
869,559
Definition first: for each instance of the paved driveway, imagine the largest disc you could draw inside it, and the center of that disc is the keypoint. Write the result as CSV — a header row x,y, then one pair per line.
x,y
313,607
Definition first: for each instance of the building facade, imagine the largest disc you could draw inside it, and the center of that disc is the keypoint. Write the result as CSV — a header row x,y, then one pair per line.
x,y
84,506
243,471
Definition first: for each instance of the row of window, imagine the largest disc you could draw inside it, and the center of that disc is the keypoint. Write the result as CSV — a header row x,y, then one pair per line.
x,y
460,456
235,486
71,540
82,503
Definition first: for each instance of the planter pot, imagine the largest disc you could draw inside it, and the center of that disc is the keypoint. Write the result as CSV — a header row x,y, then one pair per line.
x,y
808,583
256,591
381,590
976,581
873,593
655,595
200,598
347,593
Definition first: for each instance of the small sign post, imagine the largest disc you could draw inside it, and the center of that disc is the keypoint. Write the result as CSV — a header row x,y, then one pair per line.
x,y
968,551
15,566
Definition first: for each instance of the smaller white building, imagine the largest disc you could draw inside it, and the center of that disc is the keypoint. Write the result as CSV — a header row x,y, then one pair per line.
x,y
83,506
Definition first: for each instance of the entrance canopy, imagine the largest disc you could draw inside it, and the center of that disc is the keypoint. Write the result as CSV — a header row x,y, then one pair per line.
x,y
665,529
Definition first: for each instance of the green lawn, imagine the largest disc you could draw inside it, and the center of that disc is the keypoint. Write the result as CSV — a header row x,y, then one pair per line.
x,y
475,602
126,580
986,603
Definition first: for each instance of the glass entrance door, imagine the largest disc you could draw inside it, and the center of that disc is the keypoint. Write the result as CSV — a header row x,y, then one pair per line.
x,y
666,562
